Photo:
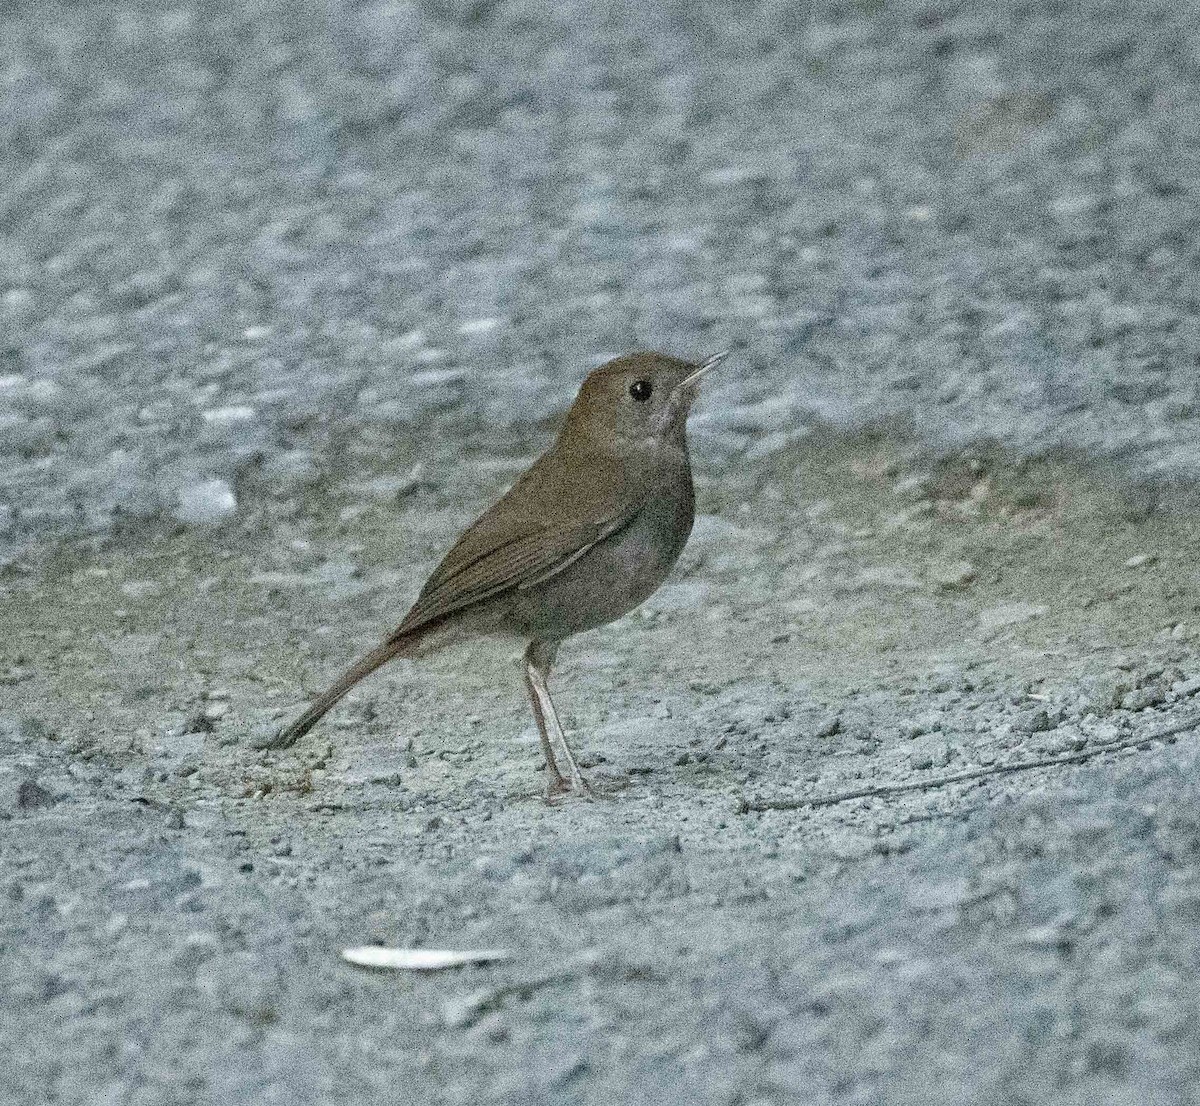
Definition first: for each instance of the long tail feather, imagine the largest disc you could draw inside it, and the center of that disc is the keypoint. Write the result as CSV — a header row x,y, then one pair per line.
x,y
376,658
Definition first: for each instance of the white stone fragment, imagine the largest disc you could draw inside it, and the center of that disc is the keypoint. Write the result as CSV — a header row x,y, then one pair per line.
x,y
726,175
479,326
140,589
224,416
420,960
206,502
434,378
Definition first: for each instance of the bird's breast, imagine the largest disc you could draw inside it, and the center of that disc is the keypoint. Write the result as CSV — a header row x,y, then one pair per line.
x,y
616,574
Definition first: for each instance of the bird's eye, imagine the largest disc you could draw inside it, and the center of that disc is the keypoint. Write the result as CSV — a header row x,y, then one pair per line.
x,y
641,390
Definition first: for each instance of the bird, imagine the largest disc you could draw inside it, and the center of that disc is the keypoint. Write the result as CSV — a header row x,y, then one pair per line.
x,y
587,533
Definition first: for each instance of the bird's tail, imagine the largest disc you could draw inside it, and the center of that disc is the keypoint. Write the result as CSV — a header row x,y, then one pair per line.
x,y
396,646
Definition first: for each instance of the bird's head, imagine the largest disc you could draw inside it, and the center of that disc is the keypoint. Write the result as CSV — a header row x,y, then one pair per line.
x,y
638,399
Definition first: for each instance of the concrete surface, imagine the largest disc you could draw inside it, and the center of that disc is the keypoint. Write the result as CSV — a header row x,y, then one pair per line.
x,y
288,293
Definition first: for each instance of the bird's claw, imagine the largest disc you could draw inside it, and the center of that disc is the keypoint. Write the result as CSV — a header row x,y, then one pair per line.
x,y
558,788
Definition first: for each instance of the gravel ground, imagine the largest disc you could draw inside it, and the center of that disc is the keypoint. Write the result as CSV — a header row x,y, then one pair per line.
x,y
288,293
235,232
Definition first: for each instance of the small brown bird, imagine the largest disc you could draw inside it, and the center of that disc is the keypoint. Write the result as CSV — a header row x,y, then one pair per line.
x,y
587,533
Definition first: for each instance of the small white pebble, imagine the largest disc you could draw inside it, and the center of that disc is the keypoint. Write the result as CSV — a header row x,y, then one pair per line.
x,y
44,391
479,326
140,589
732,174
206,502
224,416
1141,560
434,378
910,485
1073,205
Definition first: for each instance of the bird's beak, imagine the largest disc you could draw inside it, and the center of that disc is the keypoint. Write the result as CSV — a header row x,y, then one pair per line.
x,y
703,369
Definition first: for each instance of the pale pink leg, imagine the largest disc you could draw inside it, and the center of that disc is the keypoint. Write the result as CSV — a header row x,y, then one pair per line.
x,y
555,784
538,659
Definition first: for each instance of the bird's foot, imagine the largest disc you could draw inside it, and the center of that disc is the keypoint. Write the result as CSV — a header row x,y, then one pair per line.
x,y
559,788
580,785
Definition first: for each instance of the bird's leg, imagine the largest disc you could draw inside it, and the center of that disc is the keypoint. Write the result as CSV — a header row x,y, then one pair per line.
x,y
555,784
538,659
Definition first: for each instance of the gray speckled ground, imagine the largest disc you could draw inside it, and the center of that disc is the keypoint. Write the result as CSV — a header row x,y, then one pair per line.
x,y
235,231
287,295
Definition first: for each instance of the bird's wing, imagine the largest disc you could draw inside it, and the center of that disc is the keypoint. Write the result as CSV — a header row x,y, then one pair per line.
x,y
516,565
528,536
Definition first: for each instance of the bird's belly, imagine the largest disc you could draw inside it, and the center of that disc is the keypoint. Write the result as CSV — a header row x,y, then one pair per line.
x,y
610,579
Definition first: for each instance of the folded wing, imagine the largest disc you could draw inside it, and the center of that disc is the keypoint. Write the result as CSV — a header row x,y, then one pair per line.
x,y
535,531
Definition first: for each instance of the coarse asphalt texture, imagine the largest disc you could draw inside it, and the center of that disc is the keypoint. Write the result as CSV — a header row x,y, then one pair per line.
x,y
290,292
